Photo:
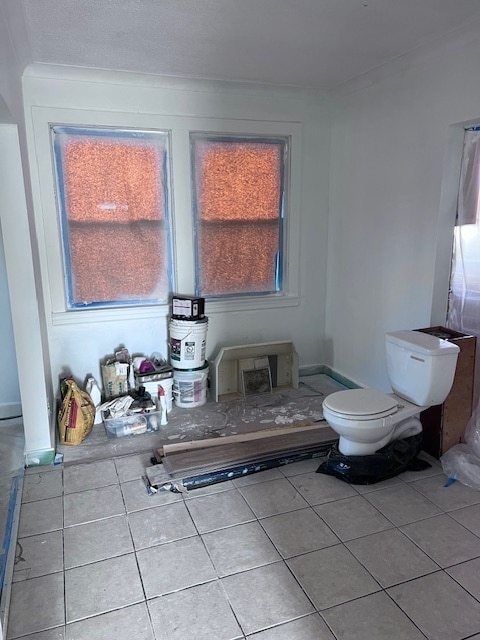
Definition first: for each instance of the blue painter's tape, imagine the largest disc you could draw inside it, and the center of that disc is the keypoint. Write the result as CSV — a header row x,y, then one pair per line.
x,y
7,538
449,482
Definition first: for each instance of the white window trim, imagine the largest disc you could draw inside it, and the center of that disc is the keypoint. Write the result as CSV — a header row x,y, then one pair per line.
x,y
48,221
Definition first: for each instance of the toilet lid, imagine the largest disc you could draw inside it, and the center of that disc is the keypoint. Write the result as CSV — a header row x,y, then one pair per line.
x,y
361,403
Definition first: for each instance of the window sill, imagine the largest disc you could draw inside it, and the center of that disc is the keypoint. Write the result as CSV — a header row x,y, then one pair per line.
x,y
250,304
81,316
236,305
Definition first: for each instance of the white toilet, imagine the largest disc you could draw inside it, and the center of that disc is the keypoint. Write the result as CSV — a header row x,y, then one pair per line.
x,y
421,368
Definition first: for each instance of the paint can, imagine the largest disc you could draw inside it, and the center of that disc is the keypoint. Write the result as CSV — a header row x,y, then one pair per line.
x,y
188,342
190,387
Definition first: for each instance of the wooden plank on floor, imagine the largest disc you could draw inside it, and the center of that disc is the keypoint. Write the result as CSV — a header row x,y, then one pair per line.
x,y
207,459
258,434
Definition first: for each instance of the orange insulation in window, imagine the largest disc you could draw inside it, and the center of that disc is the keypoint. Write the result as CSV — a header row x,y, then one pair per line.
x,y
238,181
238,199
112,181
115,220
117,262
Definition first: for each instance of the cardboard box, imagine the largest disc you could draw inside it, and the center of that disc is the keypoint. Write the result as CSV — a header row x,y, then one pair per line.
x,y
188,307
444,425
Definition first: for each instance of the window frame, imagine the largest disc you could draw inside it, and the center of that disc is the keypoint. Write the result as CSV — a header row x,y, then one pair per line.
x,y
48,222
214,136
109,133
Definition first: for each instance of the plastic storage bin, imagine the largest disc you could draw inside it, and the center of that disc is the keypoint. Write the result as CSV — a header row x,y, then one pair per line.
x,y
132,425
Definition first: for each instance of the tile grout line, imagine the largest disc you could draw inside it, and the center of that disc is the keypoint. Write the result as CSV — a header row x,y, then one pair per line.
x,y
258,520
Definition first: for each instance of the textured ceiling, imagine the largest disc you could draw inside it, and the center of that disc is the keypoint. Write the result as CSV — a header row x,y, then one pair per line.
x,y
304,43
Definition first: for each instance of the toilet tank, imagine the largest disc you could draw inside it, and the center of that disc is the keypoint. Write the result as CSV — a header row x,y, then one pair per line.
x,y
421,367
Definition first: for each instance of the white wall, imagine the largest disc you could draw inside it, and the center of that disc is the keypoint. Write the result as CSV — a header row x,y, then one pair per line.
x,y
23,298
10,404
14,56
9,100
20,245
78,340
387,225
390,224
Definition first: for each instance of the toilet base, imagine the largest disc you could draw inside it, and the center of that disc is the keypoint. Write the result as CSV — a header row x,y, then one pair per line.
x,y
404,429
351,448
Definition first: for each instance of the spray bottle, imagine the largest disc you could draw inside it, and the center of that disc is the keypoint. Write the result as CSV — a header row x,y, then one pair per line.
x,y
93,390
163,405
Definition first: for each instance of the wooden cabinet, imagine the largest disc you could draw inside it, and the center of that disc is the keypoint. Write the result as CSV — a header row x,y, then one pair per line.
x,y
444,425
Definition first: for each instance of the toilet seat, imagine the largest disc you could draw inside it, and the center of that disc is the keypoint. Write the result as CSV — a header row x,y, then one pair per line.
x,y
360,404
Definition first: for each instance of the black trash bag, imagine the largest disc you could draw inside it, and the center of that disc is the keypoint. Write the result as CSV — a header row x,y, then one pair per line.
x,y
395,457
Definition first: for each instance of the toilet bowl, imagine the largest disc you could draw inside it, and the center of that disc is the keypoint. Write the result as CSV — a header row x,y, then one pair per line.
x,y
366,419
421,368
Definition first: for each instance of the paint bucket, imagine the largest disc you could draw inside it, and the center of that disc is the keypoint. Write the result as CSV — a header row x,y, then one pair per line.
x,y
188,341
167,384
190,387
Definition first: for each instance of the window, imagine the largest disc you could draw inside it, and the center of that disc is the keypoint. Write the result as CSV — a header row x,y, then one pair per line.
x,y
148,205
113,197
238,193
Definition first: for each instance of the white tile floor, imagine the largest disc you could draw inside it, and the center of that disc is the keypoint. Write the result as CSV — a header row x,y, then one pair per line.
x,y
285,554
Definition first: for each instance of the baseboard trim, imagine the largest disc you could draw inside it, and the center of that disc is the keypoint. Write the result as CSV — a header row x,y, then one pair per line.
x,y
341,378
315,369
10,410
311,370
38,458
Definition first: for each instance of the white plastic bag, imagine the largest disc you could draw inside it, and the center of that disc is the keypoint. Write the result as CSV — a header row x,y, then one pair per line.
x,y
95,394
472,432
463,465
462,461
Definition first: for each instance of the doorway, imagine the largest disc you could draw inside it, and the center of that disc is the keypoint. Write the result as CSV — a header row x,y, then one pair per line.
x,y
464,291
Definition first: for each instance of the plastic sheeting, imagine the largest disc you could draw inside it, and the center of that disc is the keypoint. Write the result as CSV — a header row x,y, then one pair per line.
x,y
462,462
397,456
